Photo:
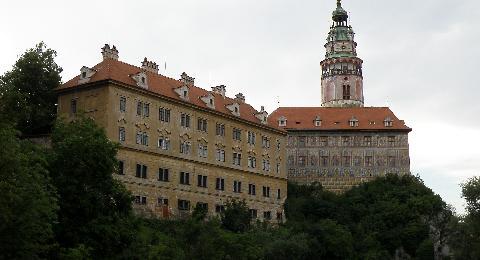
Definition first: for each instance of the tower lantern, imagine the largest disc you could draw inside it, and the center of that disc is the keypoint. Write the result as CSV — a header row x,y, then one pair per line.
x,y
342,80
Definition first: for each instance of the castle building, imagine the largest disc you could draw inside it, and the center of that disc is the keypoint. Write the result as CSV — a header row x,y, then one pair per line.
x,y
181,146
342,143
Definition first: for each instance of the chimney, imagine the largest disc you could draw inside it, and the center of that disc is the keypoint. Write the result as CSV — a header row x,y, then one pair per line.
x,y
240,97
150,66
187,80
109,53
222,89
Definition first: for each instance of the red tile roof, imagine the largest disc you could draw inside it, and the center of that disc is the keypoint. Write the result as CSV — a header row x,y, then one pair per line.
x,y
110,69
336,118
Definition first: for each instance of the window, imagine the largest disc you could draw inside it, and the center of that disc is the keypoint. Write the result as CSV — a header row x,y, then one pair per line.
x,y
347,160
164,143
73,106
140,200
202,181
220,184
84,74
251,138
220,129
162,201
279,216
369,161
142,138
278,168
353,122
185,178
219,208
141,171
391,161
163,174
237,158
252,162
346,140
323,140
302,160
267,215
237,186
391,141
266,165
237,134
202,205
202,151
220,155
301,141
251,189
123,104
185,120
183,204
266,191
318,122
278,144
279,194
367,141
121,134
185,147
282,122
253,213
164,115
346,92
202,125
143,109
121,169
388,122
265,142
324,160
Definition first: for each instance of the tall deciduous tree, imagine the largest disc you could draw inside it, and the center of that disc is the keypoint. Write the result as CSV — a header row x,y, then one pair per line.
x,y
28,202
27,91
94,207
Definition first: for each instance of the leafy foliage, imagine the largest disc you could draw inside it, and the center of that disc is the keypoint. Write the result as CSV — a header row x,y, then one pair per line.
x,y
27,91
236,216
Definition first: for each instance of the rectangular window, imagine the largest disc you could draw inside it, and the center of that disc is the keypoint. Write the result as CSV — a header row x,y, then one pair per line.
x,y
323,140
237,134
141,171
185,120
279,194
367,140
185,178
347,160
164,115
237,158
253,213
202,151
123,104
265,142
202,125
251,138
202,181
142,138
346,140
140,200
251,189
163,174
346,92
162,201
324,161
266,191
220,184
220,155
302,161
202,205
146,110
185,147
73,106
139,108
391,161
369,161
267,215
391,141
278,168
252,162
237,186
219,208
220,129
121,134
301,141
164,143
183,204
121,169
266,165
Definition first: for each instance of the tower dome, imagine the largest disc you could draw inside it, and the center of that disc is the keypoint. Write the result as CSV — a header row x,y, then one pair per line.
x,y
339,15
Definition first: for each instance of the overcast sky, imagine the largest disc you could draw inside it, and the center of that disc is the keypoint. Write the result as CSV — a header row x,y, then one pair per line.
x,y
421,58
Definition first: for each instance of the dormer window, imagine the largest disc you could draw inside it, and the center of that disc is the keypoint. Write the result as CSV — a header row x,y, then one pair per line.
x,y
317,121
211,102
185,93
86,74
282,121
388,122
182,92
353,122
141,79
236,109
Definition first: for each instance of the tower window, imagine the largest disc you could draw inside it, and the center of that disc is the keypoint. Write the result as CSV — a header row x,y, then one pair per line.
x,y
346,92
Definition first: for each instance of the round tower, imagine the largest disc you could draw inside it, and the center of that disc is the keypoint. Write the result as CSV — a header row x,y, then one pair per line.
x,y
342,80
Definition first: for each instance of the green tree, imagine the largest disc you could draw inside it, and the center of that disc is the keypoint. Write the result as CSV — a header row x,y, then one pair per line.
x,y
236,216
28,203
27,91
95,209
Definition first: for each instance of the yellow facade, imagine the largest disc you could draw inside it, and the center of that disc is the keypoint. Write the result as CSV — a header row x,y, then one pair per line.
x,y
101,101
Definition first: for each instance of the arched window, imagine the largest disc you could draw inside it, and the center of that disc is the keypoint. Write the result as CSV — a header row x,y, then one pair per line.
x,y
346,92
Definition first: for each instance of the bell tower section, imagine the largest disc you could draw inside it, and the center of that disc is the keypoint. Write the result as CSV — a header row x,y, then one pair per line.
x,y
342,80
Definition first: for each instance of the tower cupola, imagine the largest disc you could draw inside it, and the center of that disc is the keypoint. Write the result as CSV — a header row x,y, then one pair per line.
x,y
339,15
